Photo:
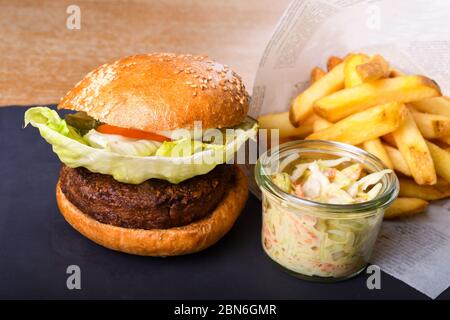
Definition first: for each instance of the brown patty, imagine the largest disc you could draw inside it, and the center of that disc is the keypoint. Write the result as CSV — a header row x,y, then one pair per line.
x,y
153,204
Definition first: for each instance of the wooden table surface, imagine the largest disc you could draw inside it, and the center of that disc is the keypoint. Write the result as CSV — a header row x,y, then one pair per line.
x,y
40,58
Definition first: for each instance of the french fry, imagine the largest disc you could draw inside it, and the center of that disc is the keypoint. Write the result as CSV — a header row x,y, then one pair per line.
x,y
408,188
441,183
316,74
376,148
441,143
332,62
281,121
396,73
397,159
376,68
352,78
445,140
432,126
415,151
437,105
405,207
389,139
287,139
441,159
320,124
280,141
365,125
343,103
411,108
302,106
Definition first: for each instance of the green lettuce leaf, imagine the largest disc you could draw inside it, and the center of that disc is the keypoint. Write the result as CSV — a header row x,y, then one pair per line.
x,y
49,118
74,151
179,148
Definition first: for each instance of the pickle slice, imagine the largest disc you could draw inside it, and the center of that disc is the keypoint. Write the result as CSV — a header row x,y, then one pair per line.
x,y
81,121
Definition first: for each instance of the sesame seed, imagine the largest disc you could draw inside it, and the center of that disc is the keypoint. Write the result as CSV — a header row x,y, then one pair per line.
x,y
193,86
195,93
188,82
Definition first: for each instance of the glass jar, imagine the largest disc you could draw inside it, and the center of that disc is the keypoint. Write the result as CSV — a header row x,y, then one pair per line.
x,y
313,240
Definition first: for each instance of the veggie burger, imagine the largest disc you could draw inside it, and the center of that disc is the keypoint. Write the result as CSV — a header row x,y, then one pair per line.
x,y
137,175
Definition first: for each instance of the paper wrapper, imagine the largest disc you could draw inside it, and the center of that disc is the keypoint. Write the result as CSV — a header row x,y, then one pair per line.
x,y
414,37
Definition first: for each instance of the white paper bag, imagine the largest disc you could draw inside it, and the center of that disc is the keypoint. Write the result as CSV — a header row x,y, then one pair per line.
x,y
414,36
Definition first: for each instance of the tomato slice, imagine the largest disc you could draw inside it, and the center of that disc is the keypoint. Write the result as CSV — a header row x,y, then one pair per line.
x,y
131,133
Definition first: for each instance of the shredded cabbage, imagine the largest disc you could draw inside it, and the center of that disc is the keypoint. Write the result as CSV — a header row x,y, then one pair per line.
x,y
283,181
320,181
314,245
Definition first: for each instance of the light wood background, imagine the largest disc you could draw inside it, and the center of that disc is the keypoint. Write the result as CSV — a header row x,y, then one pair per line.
x,y
40,59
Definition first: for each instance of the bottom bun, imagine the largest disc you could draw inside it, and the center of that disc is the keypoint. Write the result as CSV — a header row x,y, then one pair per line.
x,y
191,238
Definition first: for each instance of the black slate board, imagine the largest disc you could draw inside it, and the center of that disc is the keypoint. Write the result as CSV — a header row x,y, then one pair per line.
x,y
37,245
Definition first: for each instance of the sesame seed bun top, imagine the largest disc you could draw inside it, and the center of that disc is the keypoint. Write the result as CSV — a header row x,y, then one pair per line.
x,y
161,91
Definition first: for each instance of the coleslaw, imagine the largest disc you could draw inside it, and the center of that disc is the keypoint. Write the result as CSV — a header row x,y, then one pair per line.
x,y
307,243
